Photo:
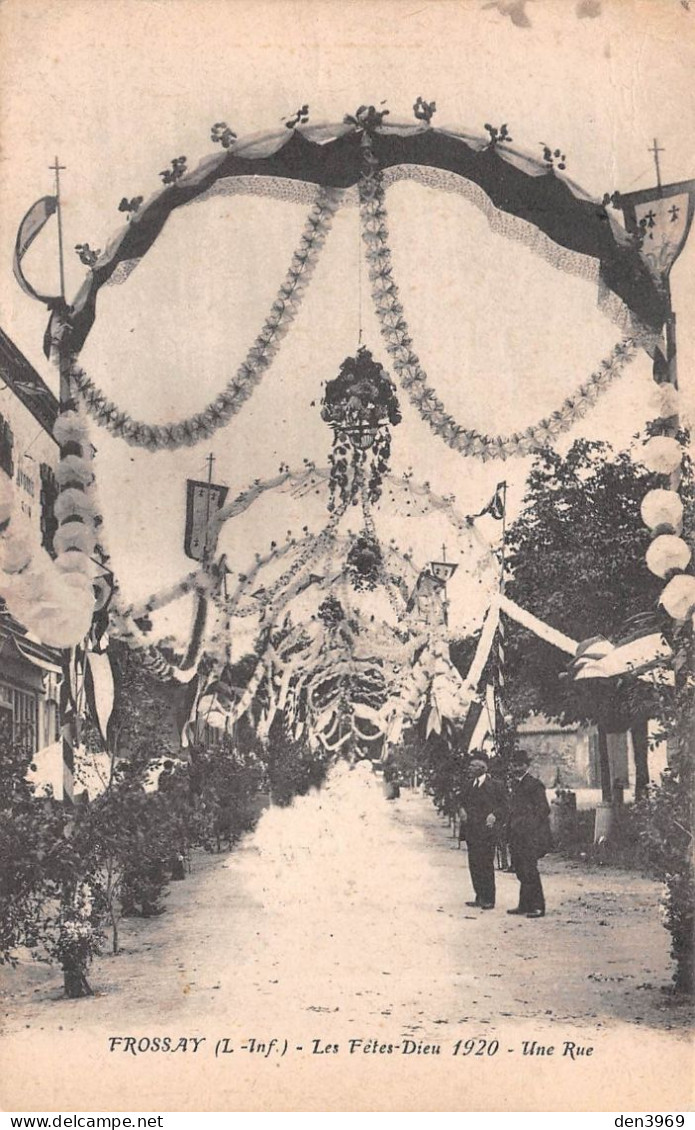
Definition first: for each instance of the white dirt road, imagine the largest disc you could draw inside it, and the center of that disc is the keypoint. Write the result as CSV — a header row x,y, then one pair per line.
x,y
343,919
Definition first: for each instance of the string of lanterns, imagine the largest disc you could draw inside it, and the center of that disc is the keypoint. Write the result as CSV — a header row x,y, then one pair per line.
x,y
668,554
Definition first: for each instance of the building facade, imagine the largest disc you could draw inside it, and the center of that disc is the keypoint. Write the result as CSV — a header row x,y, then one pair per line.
x,y
29,670
568,756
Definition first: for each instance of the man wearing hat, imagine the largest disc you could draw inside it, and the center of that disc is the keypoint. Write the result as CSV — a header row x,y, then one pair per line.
x,y
529,835
483,815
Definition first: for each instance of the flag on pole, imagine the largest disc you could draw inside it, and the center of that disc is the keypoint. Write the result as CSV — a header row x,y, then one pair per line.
x,y
495,507
33,223
203,500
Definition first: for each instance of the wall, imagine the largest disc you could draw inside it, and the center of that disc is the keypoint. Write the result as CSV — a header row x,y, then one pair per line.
x,y
556,749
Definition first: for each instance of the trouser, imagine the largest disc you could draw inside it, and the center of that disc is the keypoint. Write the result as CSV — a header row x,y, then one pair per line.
x,y
531,891
481,861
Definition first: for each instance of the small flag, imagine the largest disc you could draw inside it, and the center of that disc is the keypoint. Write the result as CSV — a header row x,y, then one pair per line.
x,y
35,220
495,507
203,500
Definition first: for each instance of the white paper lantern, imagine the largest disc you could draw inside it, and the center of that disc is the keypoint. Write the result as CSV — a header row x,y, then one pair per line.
x,y
662,454
64,629
678,598
74,561
75,469
15,550
36,585
72,502
22,610
662,508
666,554
70,428
74,535
663,400
78,587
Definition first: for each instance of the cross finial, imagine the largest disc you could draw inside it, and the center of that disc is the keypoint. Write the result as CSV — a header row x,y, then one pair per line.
x,y
656,151
57,168
444,552
210,460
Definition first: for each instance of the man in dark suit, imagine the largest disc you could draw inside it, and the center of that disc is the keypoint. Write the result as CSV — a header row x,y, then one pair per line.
x,y
483,815
528,834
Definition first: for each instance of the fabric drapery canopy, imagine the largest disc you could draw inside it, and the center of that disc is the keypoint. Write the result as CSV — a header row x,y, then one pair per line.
x,y
332,157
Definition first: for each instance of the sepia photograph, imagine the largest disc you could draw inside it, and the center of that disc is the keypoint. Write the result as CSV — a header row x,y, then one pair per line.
x,y
347,515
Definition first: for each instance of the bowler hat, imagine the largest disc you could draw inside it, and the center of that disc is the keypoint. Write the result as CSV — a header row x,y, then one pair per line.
x,y
521,757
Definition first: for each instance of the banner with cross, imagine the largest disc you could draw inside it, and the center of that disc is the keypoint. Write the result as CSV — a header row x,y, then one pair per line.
x,y
660,217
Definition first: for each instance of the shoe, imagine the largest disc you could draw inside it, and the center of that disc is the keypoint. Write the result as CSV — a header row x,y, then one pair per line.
x,y
487,906
517,910
476,904
536,914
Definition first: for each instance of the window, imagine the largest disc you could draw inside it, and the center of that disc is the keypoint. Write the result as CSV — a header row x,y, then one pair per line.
x,y
26,719
49,494
6,445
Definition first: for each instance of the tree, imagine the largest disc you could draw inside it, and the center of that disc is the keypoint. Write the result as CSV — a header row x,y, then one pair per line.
x,y
143,720
576,559
665,817
49,898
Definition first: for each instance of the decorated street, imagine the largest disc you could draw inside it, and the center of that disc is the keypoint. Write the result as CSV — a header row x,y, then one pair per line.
x,y
347,592
393,955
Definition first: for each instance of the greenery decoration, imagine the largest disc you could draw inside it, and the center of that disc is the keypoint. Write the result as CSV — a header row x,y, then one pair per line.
x,y
175,171
222,135
359,404
364,563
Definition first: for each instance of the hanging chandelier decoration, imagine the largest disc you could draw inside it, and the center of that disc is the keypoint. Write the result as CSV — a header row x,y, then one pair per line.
x,y
359,405
364,563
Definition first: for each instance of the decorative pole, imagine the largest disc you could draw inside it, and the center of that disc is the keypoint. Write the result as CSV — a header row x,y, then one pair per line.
x,y
210,460
65,403
660,218
500,728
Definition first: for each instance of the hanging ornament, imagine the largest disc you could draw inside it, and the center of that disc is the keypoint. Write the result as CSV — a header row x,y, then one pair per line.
x,y
662,455
662,511
15,551
678,598
667,554
359,405
663,400
364,563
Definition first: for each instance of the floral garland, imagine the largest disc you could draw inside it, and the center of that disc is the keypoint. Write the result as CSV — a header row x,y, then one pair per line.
x,y
413,378
195,580
310,549
423,494
155,437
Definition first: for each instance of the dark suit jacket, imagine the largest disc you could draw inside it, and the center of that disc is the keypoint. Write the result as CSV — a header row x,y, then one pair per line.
x,y
479,802
529,817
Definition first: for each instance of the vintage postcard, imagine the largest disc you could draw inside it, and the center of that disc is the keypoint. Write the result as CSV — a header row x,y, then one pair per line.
x,y
346,522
